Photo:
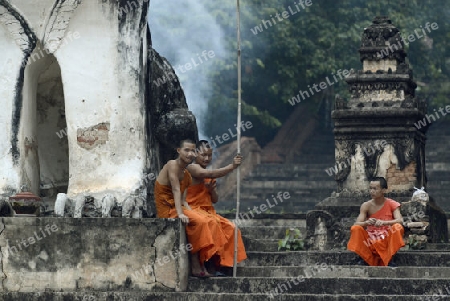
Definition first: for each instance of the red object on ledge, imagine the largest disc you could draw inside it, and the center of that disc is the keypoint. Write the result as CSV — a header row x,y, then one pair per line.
x,y
26,203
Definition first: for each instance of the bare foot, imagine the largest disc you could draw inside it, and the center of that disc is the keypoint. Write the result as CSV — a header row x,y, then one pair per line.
x,y
201,274
198,269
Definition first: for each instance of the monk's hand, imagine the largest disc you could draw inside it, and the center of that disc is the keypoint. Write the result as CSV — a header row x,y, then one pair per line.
x,y
371,221
211,185
184,218
237,161
379,223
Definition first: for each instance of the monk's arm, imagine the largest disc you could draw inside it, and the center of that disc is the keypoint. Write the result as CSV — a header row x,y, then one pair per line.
x,y
212,191
199,172
214,196
175,184
185,203
361,220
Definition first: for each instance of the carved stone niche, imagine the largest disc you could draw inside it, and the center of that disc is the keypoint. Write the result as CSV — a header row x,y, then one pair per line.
x,y
324,231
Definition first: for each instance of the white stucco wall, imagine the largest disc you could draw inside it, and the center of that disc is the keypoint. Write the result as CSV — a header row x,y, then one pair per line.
x,y
10,61
102,70
36,13
90,77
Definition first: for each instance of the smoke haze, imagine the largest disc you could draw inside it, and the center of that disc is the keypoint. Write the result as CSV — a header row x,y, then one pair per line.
x,y
187,35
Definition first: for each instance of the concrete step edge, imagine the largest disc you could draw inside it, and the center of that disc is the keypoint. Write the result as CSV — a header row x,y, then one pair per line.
x,y
350,271
200,296
310,285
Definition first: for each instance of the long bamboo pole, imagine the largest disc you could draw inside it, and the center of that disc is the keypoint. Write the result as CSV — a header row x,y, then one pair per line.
x,y
238,130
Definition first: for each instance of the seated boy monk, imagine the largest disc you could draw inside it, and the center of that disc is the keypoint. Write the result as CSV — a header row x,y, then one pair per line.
x,y
203,232
202,194
377,233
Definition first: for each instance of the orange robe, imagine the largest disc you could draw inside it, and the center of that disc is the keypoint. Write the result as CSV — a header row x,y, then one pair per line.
x,y
377,245
201,231
199,198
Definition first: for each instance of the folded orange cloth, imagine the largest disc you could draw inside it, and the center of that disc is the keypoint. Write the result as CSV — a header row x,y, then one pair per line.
x,y
199,199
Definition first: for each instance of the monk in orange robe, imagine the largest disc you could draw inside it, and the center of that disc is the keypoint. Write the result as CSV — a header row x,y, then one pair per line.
x,y
377,233
202,194
203,232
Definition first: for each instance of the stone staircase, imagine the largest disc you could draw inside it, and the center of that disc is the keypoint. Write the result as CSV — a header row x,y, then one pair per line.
x,y
305,179
268,274
326,275
322,275
438,162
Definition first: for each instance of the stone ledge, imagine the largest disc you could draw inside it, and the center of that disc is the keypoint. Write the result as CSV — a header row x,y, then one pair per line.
x,y
294,216
98,254
191,296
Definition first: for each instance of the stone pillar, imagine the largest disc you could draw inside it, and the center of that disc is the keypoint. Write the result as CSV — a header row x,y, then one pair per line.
x,y
374,130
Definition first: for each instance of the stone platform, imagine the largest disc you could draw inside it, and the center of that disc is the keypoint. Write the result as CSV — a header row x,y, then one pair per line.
x,y
92,254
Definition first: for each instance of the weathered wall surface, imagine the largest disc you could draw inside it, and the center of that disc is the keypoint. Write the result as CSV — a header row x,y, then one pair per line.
x,y
82,113
100,50
10,62
55,254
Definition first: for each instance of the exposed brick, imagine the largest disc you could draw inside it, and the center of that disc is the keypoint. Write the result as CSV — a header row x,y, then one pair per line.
x,y
93,136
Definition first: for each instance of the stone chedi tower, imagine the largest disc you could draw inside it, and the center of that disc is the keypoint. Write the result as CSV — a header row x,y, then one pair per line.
x,y
80,115
374,133
374,130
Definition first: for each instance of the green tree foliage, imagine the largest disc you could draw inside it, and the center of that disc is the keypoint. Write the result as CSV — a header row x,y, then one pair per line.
x,y
306,47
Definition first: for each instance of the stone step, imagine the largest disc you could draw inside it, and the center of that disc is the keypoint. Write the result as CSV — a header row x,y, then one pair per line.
x,y
314,159
437,162
303,284
296,198
311,175
346,271
436,150
316,173
438,294
267,232
288,168
287,206
443,184
280,220
271,245
275,186
342,257
260,245
295,195
276,220
320,172
443,174
437,246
